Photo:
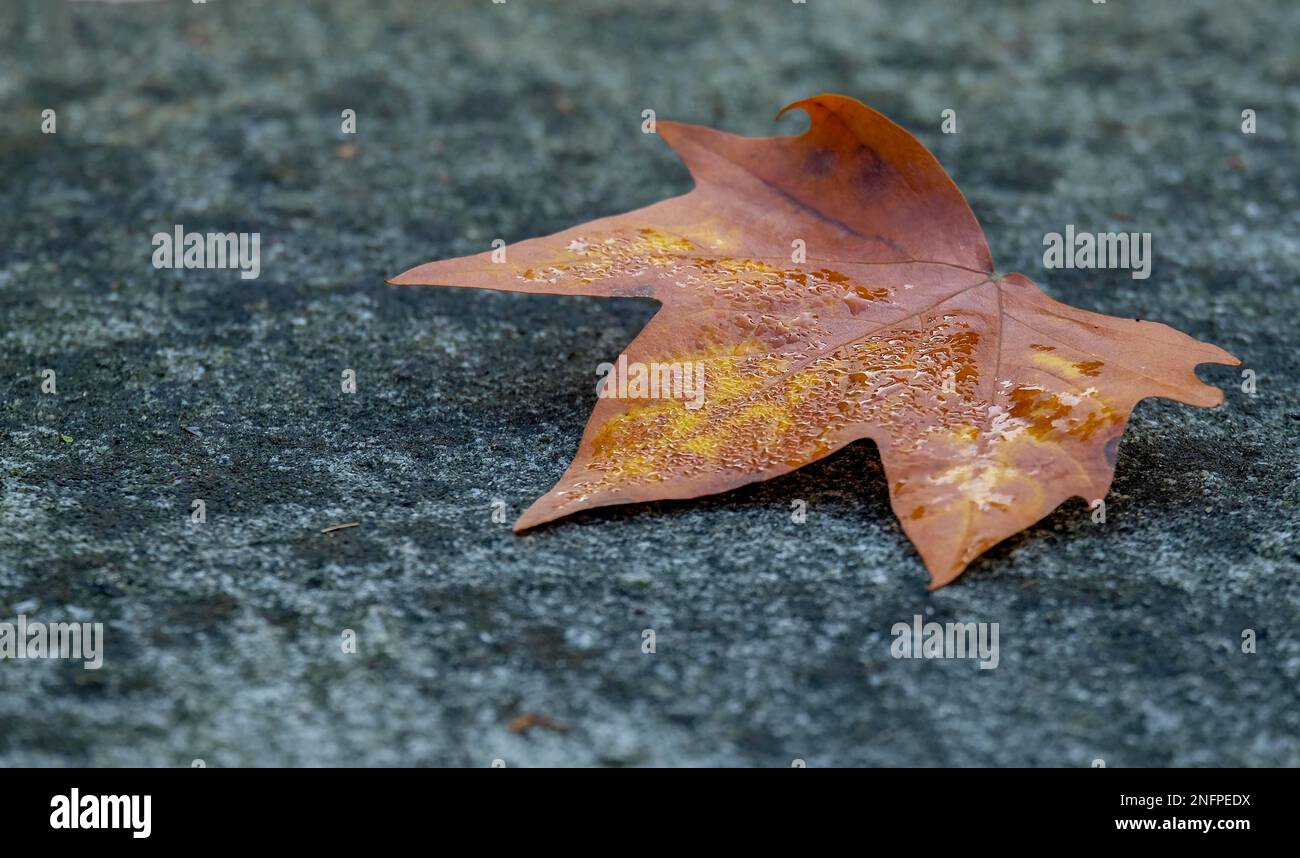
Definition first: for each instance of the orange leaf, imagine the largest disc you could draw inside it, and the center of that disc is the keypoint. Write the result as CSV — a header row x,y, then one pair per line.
x,y
990,403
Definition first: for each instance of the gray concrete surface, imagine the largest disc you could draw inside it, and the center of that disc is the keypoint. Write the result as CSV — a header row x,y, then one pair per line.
x,y
476,120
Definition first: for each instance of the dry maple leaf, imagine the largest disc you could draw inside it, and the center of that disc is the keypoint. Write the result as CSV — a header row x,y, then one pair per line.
x,y
990,403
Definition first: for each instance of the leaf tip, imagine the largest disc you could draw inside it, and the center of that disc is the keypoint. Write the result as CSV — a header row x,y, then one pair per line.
x,y
820,99
420,275
403,279
944,577
533,516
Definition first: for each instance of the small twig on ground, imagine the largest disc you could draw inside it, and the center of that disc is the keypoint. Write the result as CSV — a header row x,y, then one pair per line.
x,y
529,720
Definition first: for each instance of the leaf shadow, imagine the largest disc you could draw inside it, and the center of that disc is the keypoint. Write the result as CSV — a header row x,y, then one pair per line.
x,y
848,486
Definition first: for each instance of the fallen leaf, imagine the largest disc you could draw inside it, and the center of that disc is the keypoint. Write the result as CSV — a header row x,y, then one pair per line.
x,y
990,403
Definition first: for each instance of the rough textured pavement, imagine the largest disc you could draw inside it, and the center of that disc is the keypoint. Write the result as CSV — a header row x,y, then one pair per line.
x,y
1120,641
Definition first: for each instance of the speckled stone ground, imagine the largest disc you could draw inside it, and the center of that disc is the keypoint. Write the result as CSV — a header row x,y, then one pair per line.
x,y
475,120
